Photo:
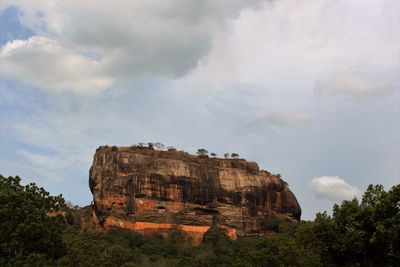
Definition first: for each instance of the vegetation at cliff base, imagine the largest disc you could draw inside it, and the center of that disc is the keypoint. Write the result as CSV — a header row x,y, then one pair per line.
x,y
37,229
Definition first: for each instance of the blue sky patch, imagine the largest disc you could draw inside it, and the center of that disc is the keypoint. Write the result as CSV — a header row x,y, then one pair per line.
x,y
10,26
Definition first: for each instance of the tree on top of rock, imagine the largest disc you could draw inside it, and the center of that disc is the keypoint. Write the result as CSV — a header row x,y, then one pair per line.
x,y
151,145
159,146
202,152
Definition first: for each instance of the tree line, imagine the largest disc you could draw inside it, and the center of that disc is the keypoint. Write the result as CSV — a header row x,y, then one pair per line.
x,y
202,152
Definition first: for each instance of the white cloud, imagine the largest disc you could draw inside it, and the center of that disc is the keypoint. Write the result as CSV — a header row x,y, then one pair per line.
x,y
353,84
333,188
42,62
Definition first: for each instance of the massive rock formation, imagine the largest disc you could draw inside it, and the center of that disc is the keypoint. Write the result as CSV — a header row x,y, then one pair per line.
x,y
149,191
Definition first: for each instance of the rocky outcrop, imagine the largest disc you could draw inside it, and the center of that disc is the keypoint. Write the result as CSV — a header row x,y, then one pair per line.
x,y
150,191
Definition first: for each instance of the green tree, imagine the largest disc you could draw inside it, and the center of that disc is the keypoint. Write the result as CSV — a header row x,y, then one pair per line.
x,y
216,237
382,224
84,249
277,250
27,233
220,246
365,233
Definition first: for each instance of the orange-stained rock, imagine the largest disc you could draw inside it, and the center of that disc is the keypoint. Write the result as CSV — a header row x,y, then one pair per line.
x,y
149,191
195,233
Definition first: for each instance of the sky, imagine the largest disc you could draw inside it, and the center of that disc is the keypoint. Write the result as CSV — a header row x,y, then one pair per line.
x,y
309,89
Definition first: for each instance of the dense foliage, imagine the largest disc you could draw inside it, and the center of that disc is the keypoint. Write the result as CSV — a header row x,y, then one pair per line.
x,y
357,234
365,233
27,233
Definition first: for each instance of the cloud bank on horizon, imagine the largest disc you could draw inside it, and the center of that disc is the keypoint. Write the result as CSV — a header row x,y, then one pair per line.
x,y
305,88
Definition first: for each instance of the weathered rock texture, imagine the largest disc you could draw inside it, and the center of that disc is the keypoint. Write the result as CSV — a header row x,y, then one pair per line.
x,y
149,191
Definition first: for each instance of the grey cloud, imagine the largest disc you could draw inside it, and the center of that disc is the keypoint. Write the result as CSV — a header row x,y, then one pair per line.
x,y
152,37
129,39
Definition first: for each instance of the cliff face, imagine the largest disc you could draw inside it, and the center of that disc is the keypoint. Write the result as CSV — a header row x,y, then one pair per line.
x,y
149,191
